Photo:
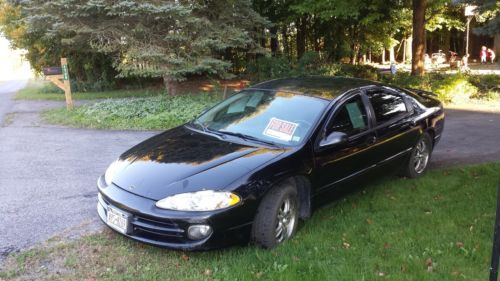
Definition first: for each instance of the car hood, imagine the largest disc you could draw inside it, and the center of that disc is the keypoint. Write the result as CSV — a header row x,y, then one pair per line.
x,y
182,160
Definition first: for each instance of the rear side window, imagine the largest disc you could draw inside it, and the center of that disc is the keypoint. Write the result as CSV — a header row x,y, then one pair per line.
x,y
350,119
387,106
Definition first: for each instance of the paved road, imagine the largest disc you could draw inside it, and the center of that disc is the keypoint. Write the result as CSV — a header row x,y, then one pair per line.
x,y
469,137
48,173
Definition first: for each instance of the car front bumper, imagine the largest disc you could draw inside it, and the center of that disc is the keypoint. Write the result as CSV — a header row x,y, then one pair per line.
x,y
168,229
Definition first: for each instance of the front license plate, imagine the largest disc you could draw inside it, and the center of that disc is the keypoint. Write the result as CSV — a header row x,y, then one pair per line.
x,y
117,220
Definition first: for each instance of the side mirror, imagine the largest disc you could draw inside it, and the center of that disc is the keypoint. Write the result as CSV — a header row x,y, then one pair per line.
x,y
333,138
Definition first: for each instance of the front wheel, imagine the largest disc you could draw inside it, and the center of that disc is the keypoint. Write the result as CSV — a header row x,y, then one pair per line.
x,y
419,158
277,217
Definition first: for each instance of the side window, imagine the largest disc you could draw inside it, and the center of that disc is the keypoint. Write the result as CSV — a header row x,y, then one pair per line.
x,y
386,105
351,118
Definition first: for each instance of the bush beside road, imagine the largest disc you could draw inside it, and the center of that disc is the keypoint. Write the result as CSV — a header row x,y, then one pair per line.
x,y
159,112
39,90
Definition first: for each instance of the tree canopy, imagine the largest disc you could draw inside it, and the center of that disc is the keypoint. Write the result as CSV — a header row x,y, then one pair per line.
x,y
177,39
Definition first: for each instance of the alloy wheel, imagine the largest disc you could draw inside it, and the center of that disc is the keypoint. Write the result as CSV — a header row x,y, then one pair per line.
x,y
285,220
421,157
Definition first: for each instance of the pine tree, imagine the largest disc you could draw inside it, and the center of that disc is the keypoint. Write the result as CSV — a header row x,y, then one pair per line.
x,y
169,39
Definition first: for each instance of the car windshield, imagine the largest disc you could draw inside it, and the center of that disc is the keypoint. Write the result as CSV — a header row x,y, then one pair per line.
x,y
274,117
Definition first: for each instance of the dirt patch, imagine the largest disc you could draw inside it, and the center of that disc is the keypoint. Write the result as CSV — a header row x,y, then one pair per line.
x,y
210,85
8,119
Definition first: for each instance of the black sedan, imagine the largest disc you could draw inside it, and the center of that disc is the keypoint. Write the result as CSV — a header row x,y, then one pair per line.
x,y
250,167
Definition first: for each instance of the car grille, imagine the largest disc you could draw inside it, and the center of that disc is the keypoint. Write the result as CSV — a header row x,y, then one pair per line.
x,y
157,230
152,229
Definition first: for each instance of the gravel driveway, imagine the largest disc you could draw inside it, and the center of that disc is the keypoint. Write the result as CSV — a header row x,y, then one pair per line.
x,y
48,173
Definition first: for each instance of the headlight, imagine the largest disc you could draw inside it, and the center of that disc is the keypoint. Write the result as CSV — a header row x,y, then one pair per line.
x,y
112,170
206,200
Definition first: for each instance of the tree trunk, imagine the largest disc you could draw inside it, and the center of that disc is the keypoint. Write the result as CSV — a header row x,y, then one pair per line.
x,y
316,35
274,40
354,59
170,85
301,36
409,41
392,58
286,46
429,43
383,55
405,43
418,44
446,41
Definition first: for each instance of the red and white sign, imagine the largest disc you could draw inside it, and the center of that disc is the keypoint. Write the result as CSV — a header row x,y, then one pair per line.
x,y
280,129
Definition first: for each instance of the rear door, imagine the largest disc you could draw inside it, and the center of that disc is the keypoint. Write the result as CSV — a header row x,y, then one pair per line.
x,y
396,135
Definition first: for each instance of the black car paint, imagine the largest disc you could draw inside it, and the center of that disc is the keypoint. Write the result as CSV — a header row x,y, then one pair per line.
x,y
185,159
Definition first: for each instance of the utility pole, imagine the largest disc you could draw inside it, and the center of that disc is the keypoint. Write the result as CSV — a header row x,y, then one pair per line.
x,y
467,37
470,11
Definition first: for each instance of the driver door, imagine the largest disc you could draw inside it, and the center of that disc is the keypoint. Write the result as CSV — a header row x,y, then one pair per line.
x,y
337,164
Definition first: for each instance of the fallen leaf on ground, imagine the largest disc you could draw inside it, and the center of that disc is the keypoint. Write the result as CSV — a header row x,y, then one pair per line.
x,y
429,264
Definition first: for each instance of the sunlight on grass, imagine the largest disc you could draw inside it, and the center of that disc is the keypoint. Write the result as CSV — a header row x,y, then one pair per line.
x,y
41,90
438,227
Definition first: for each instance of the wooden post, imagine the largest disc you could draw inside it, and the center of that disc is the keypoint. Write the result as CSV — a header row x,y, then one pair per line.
x,y
225,92
67,84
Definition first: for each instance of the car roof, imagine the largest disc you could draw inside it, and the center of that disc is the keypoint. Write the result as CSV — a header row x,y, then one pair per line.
x,y
323,87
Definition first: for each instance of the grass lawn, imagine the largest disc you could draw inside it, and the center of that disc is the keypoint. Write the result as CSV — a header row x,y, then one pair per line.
x,y
39,90
438,227
160,112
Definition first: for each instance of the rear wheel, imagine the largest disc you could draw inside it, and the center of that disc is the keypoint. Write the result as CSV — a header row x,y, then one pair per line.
x,y
277,217
420,157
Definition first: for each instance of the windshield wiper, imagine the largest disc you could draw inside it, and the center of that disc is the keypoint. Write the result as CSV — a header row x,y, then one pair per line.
x,y
198,123
248,137
205,129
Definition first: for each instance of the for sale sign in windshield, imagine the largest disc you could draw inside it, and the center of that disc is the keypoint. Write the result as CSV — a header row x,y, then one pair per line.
x,y
280,129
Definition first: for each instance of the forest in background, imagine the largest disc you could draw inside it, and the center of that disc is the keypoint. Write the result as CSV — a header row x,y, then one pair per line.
x,y
112,43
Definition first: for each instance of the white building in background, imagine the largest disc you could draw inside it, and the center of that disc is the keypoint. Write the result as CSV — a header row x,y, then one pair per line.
x,y
13,66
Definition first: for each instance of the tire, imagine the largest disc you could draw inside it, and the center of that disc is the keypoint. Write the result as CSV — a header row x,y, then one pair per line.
x,y
277,216
419,158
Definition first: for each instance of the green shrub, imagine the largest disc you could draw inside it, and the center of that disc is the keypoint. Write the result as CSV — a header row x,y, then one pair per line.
x,y
95,86
331,69
48,88
488,95
454,88
489,86
405,80
268,67
158,112
358,71
309,64
485,82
